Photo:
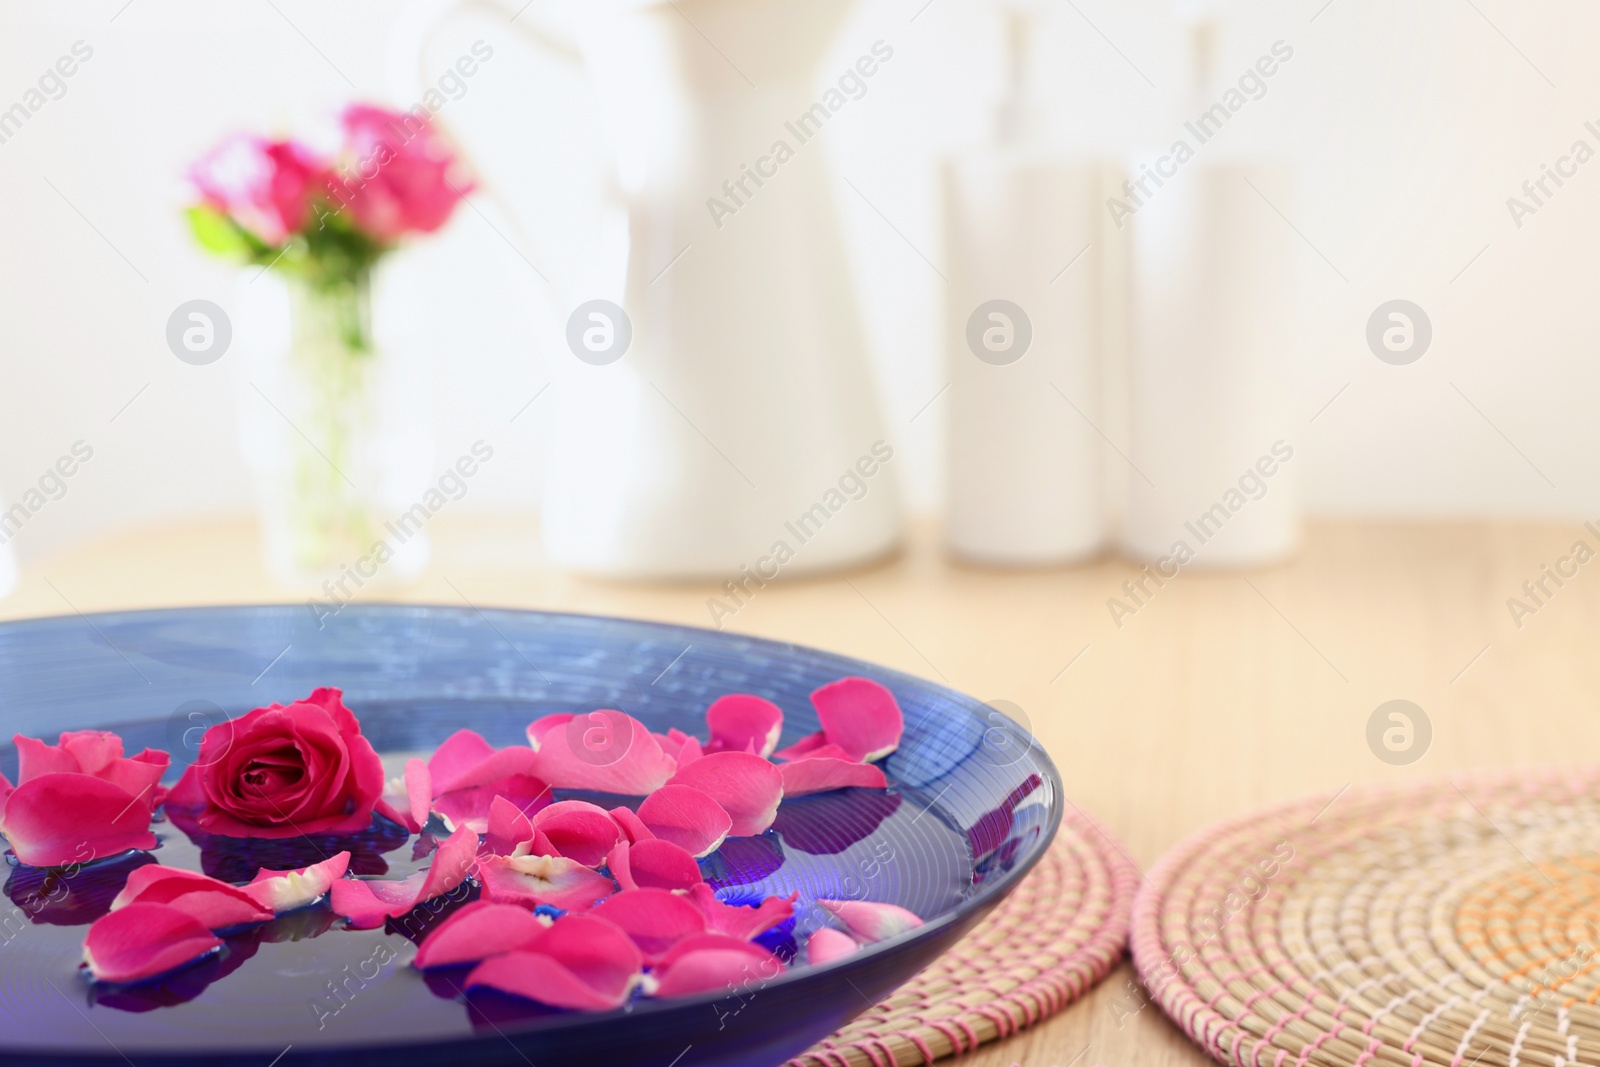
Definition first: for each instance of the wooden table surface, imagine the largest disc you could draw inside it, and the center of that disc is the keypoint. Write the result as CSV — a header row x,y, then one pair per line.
x,y
1225,691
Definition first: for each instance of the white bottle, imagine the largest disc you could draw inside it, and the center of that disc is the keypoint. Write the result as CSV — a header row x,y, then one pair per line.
x,y
1212,460
1022,326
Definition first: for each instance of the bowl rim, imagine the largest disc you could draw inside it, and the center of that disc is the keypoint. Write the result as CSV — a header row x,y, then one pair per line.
x,y
989,893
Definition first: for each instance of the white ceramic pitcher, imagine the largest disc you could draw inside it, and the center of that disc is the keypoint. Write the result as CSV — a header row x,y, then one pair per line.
x,y
745,397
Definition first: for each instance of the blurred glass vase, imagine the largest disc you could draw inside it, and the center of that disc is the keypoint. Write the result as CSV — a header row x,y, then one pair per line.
x,y
338,431
340,438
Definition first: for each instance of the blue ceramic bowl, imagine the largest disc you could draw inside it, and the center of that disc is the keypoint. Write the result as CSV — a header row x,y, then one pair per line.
x,y
972,804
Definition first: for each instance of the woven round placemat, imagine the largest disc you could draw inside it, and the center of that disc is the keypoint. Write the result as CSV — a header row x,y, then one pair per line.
x,y
1451,923
1057,934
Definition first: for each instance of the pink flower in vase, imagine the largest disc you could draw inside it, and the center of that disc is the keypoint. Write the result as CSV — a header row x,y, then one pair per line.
x,y
263,185
396,176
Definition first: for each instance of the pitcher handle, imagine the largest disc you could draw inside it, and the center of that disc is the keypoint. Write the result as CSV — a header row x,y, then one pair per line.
x,y
407,78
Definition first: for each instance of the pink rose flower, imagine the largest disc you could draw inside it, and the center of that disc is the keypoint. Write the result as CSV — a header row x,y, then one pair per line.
x,y
283,772
265,186
80,800
396,178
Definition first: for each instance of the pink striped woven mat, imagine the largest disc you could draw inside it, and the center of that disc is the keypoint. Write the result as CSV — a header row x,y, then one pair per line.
x,y
1448,924
1056,935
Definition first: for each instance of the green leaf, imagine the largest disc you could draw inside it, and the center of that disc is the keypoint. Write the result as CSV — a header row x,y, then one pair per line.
x,y
216,232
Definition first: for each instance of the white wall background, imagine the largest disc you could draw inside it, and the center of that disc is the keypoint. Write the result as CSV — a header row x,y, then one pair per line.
x,y
1414,121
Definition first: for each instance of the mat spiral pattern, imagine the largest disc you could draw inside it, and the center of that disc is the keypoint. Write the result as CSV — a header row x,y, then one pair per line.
x,y
1450,924
1056,935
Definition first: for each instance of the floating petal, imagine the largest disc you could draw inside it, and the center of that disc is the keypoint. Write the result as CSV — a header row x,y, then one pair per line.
x,y
581,962
419,794
368,903
287,890
656,919
654,864
215,904
685,748
868,921
741,722
809,745
708,962
466,760
579,830
860,716
532,880
145,940
747,786
602,751
818,774
478,931
632,827
828,944
470,807
508,826
739,921
57,819
686,816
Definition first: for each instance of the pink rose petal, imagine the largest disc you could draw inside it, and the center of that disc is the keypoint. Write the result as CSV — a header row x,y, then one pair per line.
x,y
806,746
465,775
477,931
509,826
860,716
633,828
618,755
452,863
470,807
56,819
580,962
456,757
653,864
656,919
400,816
539,978
828,944
824,750
217,905
367,903
97,753
685,748
533,880
466,760
144,940
869,921
686,816
740,722
579,830
419,793
747,786
283,891
78,752
707,962
739,921
541,728
818,774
